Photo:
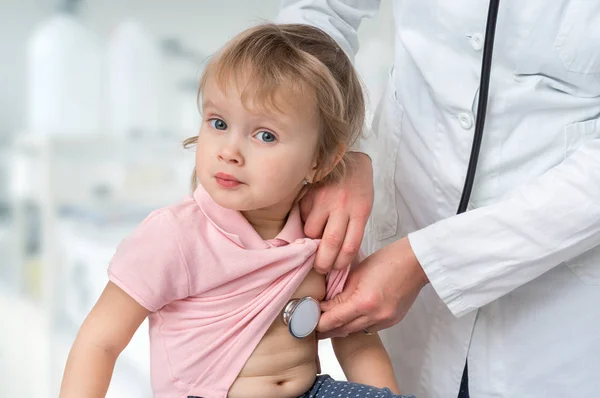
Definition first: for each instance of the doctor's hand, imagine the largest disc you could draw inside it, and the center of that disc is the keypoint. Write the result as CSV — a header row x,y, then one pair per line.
x,y
378,293
338,213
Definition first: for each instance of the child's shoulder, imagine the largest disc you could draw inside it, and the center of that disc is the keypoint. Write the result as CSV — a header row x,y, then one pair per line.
x,y
182,215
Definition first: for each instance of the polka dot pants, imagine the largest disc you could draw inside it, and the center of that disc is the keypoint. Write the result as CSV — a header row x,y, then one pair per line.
x,y
326,387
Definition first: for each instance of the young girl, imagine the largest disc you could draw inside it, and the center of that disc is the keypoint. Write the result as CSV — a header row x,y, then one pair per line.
x,y
215,272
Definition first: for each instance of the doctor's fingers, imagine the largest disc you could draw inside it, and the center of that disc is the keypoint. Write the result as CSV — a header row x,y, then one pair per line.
x,y
357,325
373,315
315,211
363,324
371,322
306,205
338,316
331,243
352,241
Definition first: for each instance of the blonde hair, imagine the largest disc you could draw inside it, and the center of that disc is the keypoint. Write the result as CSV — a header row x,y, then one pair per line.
x,y
296,56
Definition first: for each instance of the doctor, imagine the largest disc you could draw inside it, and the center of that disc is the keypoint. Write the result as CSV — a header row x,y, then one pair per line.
x,y
512,286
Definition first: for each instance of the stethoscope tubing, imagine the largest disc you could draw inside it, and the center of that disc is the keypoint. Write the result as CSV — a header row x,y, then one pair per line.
x,y
484,85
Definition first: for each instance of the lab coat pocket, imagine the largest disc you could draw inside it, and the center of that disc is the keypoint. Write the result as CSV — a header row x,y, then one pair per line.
x,y
386,128
577,42
579,133
587,266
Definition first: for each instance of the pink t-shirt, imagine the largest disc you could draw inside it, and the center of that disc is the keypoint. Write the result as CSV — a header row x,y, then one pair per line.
x,y
213,287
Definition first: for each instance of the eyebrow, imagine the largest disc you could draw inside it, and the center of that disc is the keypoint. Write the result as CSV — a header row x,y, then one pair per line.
x,y
274,123
208,103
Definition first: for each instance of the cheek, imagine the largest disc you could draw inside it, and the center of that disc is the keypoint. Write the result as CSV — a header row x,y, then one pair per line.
x,y
202,150
287,170
199,155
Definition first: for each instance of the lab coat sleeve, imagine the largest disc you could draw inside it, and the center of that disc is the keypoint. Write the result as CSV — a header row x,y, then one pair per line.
x,y
476,257
340,20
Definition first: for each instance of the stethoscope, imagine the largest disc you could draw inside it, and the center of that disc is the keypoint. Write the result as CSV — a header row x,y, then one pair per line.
x,y
484,85
301,316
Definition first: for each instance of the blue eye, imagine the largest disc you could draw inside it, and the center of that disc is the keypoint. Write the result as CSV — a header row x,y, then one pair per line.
x,y
265,136
218,124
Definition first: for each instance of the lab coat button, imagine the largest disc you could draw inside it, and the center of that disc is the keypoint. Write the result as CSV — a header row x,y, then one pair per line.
x,y
465,121
477,41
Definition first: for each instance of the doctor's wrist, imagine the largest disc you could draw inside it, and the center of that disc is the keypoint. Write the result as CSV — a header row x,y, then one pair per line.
x,y
411,261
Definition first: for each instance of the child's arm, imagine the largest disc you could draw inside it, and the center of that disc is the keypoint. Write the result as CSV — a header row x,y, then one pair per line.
x,y
364,360
104,334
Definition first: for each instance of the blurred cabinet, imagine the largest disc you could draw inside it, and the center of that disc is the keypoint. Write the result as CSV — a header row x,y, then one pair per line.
x,y
74,198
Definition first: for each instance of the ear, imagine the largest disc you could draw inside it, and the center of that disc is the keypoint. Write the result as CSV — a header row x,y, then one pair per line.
x,y
320,171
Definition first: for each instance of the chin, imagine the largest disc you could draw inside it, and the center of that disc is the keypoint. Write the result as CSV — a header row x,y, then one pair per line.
x,y
225,200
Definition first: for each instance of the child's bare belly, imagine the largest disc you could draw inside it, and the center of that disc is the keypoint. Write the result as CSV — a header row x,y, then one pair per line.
x,y
282,366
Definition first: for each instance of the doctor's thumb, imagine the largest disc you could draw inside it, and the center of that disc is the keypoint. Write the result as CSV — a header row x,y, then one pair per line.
x,y
342,298
336,316
334,302
337,312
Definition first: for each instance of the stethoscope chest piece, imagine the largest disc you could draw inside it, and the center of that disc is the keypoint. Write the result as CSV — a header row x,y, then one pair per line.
x,y
301,316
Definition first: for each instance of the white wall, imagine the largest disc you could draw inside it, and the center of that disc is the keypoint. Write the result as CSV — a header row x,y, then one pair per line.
x,y
201,24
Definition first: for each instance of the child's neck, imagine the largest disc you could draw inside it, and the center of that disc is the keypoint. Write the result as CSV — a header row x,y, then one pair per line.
x,y
268,223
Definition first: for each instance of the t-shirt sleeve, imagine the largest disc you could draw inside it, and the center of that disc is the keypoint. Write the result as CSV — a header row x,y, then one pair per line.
x,y
149,266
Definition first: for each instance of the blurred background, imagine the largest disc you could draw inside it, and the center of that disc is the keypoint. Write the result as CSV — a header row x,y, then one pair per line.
x,y
96,97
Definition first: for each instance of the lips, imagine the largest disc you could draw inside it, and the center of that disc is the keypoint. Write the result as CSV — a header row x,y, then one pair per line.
x,y
227,180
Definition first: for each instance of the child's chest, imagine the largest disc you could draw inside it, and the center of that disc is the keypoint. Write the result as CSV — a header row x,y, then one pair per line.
x,y
313,285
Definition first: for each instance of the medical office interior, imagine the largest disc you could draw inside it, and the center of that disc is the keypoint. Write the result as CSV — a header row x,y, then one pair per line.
x,y
96,97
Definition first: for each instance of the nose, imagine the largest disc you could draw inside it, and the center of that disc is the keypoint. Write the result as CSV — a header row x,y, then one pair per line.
x,y
230,152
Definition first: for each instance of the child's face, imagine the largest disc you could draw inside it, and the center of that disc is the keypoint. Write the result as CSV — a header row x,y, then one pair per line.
x,y
248,160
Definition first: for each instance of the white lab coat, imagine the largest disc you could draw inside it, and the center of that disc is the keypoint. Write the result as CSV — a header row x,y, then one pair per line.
x,y
515,282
